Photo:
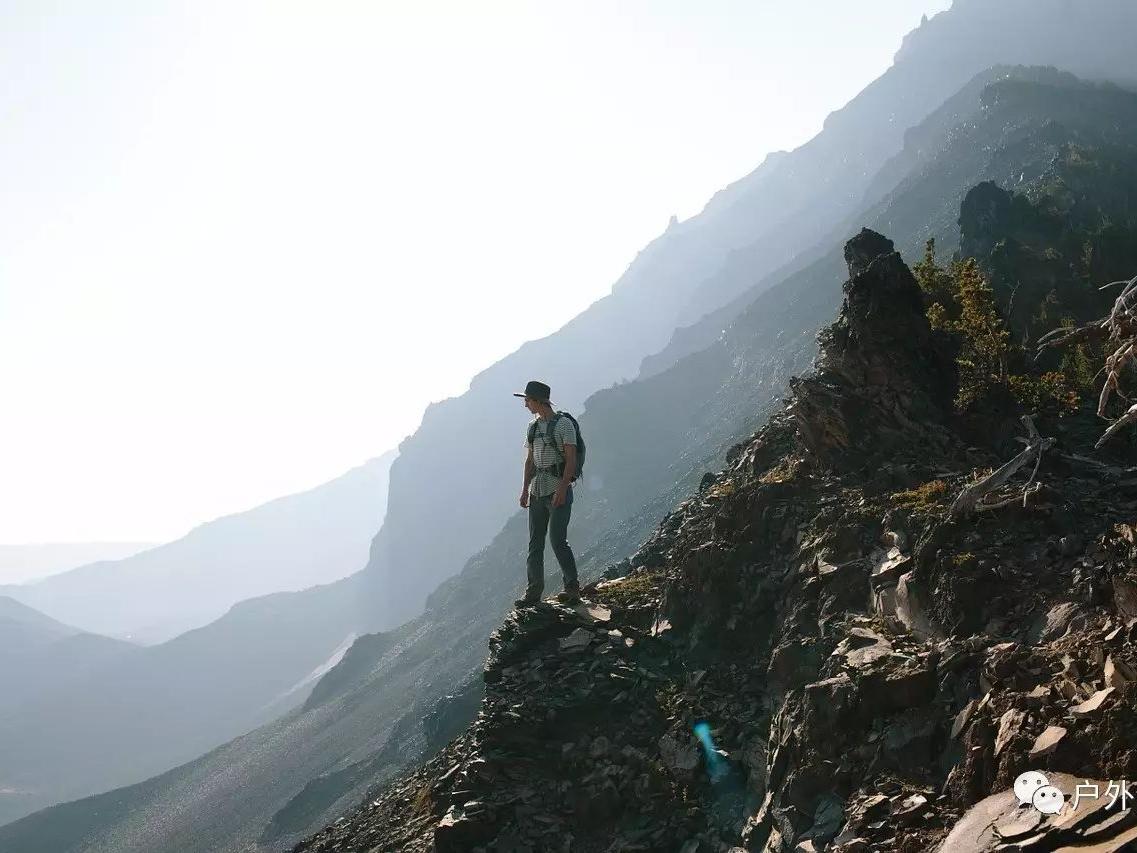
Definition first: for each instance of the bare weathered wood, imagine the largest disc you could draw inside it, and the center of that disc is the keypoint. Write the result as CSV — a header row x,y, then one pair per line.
x,y
1063,336
969,499
1027,492
1120,326
1089,460
1125,420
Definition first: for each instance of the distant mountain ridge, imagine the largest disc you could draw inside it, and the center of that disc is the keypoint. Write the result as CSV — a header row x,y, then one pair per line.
x,y
68,723
38,653
79,731
26,563
290,543
24,628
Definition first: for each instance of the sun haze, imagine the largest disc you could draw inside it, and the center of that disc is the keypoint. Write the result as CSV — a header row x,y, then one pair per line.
x,y
243,244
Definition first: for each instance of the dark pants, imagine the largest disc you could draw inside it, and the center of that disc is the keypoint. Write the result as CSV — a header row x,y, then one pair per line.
x,y
544,516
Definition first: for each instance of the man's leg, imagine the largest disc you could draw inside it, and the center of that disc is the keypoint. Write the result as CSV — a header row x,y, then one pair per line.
x,y
535,564
558,534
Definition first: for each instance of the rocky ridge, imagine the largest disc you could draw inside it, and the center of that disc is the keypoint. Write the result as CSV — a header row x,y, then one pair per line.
x,y
808,654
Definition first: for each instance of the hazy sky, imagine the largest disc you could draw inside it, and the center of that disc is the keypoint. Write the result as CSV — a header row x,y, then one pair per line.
x,y
243,244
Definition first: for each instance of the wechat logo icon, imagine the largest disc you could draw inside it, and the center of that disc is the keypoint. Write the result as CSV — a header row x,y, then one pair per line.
x,y
1034,789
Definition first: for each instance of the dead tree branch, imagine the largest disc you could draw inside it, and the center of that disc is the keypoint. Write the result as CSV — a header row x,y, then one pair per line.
x,y
1063,336
1120,326
969,500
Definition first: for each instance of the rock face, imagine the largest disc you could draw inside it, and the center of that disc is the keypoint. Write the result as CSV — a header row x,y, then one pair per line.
x,y
807,655
879,371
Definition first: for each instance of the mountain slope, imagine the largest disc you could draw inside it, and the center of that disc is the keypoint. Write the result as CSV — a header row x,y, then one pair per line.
x,y
820,658
322,758
22,628
744,239
193,692
290,543
38,653
24,563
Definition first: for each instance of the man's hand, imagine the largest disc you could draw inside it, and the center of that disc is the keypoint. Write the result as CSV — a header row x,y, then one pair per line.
x,y
525,499
559,495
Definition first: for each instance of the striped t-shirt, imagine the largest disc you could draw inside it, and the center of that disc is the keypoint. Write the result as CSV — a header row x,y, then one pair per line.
x,y
545,481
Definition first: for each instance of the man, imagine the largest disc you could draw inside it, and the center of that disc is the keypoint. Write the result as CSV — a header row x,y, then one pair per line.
x,y
550,464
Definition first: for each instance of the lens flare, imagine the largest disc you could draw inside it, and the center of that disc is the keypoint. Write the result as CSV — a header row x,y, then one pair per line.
x,y
716,766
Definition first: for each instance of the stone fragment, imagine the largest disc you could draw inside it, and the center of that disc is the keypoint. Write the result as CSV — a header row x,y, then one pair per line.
x,y
897,690
893,539
911,608
578,639
1022,824
1092,704
827,818
907,739
458,831
1047,742
963,718
872,808
886,567
1125,597
862,647
595,612
1055,623
910,809
1117,673
681,759
1009,725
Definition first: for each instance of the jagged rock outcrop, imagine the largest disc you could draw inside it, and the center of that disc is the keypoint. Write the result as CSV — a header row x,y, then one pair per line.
x,y
880,377
807,654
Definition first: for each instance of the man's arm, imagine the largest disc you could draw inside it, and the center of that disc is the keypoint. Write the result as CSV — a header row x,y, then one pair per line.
x,y
570,466
560,495
528,475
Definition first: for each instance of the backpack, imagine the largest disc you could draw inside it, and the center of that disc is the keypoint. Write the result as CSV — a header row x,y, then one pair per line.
x,y
558,470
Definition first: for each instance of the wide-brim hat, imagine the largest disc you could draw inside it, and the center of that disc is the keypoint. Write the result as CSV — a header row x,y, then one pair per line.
x,y
536,390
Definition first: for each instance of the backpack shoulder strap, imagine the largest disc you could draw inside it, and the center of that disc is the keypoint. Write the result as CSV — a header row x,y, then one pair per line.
x,y
532,432
551,431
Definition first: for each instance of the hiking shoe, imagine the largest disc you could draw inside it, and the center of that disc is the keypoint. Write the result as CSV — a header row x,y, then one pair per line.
x,y
569,596
526,601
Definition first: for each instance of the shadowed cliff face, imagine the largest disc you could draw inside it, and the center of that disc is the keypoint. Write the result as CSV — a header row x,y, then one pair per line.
x,y
808,656
880,375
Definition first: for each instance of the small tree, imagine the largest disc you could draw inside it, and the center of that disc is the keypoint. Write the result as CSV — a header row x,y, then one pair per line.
x,y
937,285
962,303
984,339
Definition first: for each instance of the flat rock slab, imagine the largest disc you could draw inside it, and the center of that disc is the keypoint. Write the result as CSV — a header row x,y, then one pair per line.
x,y
593,612
578,639
1047,742
1093,703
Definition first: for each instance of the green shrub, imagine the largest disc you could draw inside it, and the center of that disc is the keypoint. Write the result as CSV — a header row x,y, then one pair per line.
x,y
961,303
